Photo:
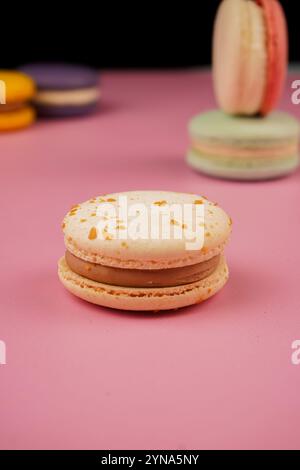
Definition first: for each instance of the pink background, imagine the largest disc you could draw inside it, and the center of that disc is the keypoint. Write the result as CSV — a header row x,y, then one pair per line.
x,y
217,375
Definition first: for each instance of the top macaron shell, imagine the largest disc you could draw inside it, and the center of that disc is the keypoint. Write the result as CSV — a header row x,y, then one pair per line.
x,y
218,126
140,253
62,76
19,87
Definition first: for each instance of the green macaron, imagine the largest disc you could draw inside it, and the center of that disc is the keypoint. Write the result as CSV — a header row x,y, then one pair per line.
x,y
244,148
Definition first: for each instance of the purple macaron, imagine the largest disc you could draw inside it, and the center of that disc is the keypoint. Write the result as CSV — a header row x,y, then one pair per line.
x,y
63,89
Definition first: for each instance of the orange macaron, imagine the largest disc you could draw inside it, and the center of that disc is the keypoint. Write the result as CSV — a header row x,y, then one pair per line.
x,y
250,55
17,89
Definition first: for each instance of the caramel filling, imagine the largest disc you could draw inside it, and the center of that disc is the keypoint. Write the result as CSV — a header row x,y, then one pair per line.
x,y
67,97
170,277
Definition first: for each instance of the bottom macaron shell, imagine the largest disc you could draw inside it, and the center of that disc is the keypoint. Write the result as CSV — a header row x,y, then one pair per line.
x,y
18,119
142,299
66,111
251,170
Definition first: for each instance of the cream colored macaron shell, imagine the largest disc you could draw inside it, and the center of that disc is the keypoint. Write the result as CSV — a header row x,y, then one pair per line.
x,y
140,253
239,57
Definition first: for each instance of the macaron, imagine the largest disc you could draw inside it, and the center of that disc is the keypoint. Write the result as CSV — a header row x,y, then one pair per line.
x,y
17,89
64,90
244,148
250,55
137,250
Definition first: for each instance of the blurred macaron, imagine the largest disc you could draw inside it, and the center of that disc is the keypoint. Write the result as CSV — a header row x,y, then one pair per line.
x,y
17,89
244,148
64,90
250,56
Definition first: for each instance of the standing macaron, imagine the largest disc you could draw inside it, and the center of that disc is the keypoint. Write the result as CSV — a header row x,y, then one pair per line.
x,y
145,250
244,148
250,54
17,89
64,90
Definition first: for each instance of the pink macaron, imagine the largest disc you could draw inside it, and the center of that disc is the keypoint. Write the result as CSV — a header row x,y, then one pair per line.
x,y
250,54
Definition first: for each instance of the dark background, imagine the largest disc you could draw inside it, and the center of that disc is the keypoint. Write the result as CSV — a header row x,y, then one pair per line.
x,y
117,35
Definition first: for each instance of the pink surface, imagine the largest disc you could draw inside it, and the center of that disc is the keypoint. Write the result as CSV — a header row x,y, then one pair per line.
x,y
217,375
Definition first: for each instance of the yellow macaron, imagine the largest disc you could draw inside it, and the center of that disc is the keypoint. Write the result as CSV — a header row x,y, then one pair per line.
x,y
17,89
